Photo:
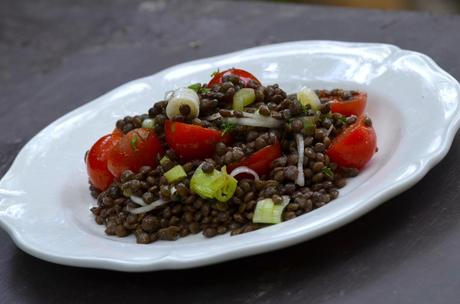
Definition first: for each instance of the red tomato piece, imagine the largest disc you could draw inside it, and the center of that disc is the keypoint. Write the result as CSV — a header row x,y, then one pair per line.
x,y
118,132
259,161
191,141
355,146
245,76
139,147
353,106
96,161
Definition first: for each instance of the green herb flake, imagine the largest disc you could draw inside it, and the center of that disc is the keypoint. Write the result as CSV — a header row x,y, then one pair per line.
x,y
304,108
215,73
204,90
322,116
196,87
134,141
127,193
227,127
343,120
327,171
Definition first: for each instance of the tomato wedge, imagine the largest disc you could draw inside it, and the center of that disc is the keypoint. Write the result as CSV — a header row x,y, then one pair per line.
x,y
353,106
139,147
191,141
259,161
355,146
245,76
96,161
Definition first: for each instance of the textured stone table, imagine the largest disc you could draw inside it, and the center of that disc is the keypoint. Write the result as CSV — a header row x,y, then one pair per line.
x,y
58,55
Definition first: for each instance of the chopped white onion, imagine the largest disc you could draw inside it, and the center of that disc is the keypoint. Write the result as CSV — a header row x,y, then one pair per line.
x,y
138,200
260,121
243,169
148,208
300,150
183,96
173,190
329,130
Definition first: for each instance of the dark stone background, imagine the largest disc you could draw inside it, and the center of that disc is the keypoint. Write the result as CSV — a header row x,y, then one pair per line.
x,y
58,55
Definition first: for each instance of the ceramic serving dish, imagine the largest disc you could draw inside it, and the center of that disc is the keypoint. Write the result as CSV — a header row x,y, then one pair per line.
x,y
414,105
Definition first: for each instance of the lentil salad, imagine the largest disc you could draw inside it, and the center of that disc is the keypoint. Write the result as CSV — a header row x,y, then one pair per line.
x,y
231,155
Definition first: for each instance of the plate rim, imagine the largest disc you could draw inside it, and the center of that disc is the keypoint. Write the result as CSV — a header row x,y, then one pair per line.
x,y
169,262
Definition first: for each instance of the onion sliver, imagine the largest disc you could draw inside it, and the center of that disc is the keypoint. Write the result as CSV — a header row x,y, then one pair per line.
x,y
261,121
254,115
138,200
173,190
329,130
300,150
148,208
243,169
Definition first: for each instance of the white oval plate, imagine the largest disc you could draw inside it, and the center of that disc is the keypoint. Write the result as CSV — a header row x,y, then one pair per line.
x,y
44,197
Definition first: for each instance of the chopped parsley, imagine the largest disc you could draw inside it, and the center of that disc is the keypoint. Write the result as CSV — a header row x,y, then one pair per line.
x,y
204,90
343,120
197,87
134,141
324,116
327,171
227,127
304,108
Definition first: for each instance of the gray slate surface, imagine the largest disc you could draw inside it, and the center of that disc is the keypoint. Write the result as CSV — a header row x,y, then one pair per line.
x,y
58,55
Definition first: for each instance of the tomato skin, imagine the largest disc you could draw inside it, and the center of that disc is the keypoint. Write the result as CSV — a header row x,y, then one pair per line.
x,y
245,76
259,161
353,106
354,147
96,161
139,147
191,141
117,132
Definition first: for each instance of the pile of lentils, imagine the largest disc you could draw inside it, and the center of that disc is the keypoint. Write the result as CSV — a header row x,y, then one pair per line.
x,y
187,213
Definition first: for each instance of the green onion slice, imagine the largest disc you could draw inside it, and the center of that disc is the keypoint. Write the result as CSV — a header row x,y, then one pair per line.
x,y
226,192
309,124
175,174
307,96
217,184
164,160
267,212
242,98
